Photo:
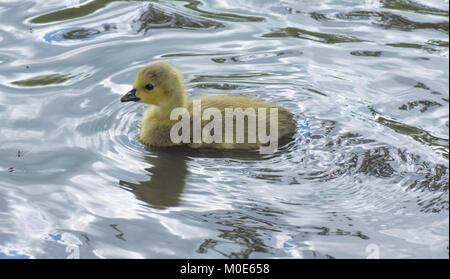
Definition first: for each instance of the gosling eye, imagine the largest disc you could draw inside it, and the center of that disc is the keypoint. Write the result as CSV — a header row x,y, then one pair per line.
x,y
149,86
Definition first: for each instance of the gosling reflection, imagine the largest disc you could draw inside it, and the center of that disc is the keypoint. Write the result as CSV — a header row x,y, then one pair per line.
x,y
168,174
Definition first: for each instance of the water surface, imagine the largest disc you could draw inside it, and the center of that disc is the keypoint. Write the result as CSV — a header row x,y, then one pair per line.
x,y
367,174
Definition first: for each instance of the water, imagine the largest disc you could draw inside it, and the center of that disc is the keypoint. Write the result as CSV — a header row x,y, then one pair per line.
x,y
366,176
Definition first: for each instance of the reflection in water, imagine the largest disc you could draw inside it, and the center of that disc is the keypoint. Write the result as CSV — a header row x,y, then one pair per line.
x,y
390,20
310,35
376,162
43,80
441,145
424,105
251,225
120,234
167,179
427,47
154,18
245,230
74,12
78,33
169,172
92,6
366,53
408,5
194,5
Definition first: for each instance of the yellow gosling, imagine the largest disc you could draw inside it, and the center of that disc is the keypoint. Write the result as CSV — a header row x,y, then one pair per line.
x,y
161,85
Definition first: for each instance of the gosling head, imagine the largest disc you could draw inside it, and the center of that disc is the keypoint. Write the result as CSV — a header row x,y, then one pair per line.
x,y
158,84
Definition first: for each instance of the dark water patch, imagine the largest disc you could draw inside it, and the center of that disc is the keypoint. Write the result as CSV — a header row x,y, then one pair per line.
x,y
428,177
43,80
310,35
435,205
252,234
247,231
389,20
240,234
412,6
78,33
160,18
424,105
269,175
441,145
405,45
248,58
219,60
120,234
421,85
418,84
318,16
73,12
366,53
421,58
316,91
379,161
376,162
425,47
256,57
162,189
351,139
326,127
433,178
341,232
156,18
194,5
439,43
384,162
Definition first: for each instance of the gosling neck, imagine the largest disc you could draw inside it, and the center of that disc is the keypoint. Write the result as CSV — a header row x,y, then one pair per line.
x,y
162,111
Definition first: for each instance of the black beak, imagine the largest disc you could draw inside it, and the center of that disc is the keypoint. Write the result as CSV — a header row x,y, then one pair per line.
x,y
130,96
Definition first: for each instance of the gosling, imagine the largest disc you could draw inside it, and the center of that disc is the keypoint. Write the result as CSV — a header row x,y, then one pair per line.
x,y
161,85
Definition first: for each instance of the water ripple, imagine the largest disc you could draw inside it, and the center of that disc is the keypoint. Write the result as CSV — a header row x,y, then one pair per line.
x,y
367,81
